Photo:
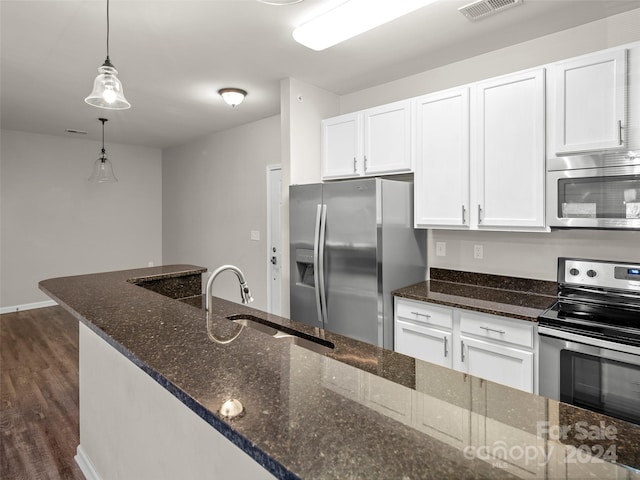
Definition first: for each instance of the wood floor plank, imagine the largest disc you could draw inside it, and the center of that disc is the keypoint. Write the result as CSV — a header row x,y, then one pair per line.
x,y
39,427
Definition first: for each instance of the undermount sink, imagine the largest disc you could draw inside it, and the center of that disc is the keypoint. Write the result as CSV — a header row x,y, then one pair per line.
x,y
274,330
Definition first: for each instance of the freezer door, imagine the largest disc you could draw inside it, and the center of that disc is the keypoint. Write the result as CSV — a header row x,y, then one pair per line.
x,y
350,266
303,205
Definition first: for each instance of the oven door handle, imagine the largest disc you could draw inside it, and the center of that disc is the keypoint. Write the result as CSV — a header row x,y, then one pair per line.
x,y
593,346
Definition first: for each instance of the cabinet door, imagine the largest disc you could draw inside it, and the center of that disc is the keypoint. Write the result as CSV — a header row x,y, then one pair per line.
x,y
387,138
342,146
442,159
505,365
510,151
590,103
425,343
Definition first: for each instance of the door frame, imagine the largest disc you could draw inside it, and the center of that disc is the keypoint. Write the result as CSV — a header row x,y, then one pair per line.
x,y
270,169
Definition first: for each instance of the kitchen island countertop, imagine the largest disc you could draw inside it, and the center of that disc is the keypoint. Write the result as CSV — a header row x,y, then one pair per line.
x,y
357,412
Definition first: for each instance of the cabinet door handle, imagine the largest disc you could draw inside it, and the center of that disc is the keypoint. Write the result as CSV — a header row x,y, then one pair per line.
x,y
446,351
479,214
365,163
463,212
462,350
620,132
501,332
355,165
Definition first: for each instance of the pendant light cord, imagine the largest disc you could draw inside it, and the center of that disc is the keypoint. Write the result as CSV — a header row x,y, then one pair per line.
x,y
103,150
107,33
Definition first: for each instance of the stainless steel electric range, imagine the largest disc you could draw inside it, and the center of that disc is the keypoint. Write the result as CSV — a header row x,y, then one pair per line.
x,y
590,338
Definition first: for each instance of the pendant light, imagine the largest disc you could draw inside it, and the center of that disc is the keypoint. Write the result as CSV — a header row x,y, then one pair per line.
x,y
102,168
107,88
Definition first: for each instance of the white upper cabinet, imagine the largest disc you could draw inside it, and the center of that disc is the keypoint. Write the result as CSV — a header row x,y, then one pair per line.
x,y
387,139
442,159
342,146
590,103
510,151
376,141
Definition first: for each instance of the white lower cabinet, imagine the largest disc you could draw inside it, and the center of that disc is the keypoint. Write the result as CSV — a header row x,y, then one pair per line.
x,y
498,363
495,348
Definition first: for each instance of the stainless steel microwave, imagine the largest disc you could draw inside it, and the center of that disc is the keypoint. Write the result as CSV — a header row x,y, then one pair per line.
x,y
594,191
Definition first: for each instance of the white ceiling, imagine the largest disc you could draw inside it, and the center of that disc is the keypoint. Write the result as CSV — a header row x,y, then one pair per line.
x,y
173,56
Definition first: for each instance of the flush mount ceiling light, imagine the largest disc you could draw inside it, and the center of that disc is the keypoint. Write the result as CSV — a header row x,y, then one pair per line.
x,y
102,168
107,88
232,96
352,18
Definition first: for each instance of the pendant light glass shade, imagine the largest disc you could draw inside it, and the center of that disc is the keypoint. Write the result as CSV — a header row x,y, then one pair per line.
x,y
102,168
107,89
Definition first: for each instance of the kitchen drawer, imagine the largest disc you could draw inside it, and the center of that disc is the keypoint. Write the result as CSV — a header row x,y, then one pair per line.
x,y
517,332
424,314
425,343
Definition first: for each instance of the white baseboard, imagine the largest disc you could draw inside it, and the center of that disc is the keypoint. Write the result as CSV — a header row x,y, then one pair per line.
x,y
27,306
84,462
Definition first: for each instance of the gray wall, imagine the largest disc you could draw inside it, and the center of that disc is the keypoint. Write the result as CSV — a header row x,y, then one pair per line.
x,y
214,192
55,223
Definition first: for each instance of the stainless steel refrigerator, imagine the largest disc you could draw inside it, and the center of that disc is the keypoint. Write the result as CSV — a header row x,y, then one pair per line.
x,y
351,243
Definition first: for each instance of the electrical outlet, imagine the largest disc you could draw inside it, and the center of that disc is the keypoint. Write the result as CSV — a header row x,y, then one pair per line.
x,y
255,235
150,264
441,249
478,252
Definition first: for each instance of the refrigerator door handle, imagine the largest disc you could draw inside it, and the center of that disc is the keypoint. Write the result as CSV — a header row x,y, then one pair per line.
x,y
321,241
316,262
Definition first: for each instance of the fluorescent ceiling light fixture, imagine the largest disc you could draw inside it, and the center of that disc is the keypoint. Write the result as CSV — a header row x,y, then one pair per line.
x,y
352,18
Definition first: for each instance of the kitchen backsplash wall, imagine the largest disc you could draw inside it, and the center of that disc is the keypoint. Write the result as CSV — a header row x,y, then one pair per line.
x,y
529,255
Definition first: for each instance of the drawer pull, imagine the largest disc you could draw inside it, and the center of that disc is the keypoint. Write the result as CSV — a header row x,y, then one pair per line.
x,y
421,314
501,332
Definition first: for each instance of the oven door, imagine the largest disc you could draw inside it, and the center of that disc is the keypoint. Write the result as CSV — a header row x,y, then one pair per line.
x,y
586,372
607,197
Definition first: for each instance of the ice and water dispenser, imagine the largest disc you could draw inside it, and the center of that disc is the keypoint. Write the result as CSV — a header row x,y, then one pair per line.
x,y
304,262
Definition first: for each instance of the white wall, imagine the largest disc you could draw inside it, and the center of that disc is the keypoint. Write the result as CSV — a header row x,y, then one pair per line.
x,y
56,223
518,254
302,107
599,35
214,192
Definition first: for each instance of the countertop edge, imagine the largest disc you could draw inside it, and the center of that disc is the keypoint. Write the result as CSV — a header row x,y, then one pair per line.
x,y
225,429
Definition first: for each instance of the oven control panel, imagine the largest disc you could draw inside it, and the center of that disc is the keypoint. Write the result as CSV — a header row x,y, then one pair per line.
x,y
598,273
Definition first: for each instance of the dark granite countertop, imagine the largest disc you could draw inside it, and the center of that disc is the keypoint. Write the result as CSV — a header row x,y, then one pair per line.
x,y
360,412
513,297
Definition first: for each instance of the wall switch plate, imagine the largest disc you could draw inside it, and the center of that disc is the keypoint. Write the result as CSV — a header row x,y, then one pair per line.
x,y
478,252
255,235
441,249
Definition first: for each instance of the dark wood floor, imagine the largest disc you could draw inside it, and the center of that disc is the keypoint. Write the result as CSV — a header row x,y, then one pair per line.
x,y
39,395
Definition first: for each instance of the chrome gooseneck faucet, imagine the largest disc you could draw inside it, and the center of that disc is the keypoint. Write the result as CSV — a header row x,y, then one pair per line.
x,y
245,293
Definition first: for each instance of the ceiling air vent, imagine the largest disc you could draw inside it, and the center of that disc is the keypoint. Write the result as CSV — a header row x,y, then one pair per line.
x,y
483,8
